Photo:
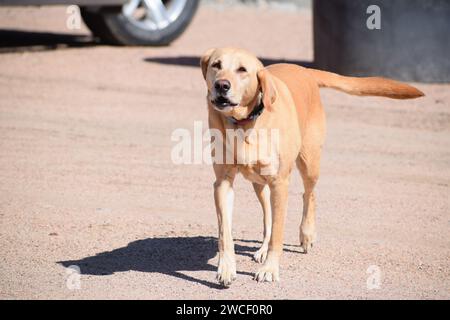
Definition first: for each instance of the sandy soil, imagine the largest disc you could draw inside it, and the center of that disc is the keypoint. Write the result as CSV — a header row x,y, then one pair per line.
x,y
86,177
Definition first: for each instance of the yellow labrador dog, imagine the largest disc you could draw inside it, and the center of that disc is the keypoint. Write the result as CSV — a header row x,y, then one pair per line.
x,y
243,94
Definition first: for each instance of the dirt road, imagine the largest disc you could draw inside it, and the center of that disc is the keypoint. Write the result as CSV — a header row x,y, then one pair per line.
x,y
86,177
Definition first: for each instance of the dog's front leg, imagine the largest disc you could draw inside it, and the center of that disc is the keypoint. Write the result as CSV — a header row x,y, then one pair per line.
x,y
224,197
278,200
263,194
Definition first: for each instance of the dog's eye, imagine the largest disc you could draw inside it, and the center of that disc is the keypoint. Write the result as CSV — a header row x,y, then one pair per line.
x,y
217,65
242,69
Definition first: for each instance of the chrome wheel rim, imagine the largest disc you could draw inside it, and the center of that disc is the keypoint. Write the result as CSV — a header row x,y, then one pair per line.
x,y
153,14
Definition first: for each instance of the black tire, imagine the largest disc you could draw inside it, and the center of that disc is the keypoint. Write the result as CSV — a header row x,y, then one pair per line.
x,y
113,27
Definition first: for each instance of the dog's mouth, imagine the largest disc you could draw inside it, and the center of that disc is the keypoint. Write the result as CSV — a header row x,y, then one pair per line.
x,y
223,102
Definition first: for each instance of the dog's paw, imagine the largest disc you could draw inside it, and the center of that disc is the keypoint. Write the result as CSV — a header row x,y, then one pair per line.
x,y
226,272
307,239
268,272
261,255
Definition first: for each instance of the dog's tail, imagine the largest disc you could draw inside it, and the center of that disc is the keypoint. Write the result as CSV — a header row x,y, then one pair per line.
x,y
370,86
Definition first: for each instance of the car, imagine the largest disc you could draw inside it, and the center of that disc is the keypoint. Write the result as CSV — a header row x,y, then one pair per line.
x,y
129,22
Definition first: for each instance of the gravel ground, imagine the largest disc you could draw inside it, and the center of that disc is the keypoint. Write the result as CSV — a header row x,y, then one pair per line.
x,y
86,177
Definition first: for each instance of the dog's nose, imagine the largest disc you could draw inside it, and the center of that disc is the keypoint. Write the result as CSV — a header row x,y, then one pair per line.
x,y
222,86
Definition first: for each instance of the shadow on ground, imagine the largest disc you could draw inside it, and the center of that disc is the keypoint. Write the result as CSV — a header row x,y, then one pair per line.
x,y
21,41
194,61
168,256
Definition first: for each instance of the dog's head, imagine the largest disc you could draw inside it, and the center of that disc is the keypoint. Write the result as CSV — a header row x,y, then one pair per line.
x,y
235,78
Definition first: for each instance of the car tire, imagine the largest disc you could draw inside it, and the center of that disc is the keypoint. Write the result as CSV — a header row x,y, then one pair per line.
x,y
112,26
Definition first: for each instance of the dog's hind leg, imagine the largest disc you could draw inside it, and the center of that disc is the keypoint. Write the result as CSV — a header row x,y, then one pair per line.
x,y
263,194
308,162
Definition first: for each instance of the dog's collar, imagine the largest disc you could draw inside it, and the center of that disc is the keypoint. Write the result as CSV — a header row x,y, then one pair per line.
x,y
256,112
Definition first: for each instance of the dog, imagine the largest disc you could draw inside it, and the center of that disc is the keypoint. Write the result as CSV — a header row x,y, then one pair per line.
x,y
243,94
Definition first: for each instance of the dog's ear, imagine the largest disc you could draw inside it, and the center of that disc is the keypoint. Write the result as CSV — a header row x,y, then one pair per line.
x,y
267,88
204,60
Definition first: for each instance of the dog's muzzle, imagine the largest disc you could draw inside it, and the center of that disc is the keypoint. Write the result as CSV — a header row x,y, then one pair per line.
x,y
222,102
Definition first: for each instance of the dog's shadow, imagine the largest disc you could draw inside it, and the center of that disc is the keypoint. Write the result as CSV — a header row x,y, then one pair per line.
x,y
170,256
